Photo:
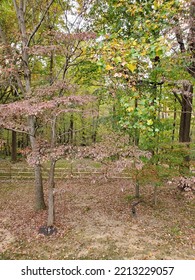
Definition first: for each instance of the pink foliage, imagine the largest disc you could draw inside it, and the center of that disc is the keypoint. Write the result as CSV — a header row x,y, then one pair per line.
x,y
44,153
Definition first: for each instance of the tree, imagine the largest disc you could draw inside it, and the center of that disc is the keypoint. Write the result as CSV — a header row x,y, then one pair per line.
x,y
15,116
186,93
22,52
43,100
131,41
21,75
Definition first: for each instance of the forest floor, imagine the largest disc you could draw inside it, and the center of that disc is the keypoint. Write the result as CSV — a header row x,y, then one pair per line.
x,y
94,221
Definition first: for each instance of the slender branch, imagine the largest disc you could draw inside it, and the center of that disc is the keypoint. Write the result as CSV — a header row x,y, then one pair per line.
x,y
19,131
177,97
74,130
39,24
15,5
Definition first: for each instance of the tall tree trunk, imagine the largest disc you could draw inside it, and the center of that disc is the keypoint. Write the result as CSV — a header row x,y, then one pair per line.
x,y
186,112
71,129
14,147
114,121
39,194
187,92
83,134
51,210
185,123
136,130
39,198
64,131
8,144
174,121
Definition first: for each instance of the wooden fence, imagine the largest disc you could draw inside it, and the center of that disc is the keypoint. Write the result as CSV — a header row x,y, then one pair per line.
x,y
27,173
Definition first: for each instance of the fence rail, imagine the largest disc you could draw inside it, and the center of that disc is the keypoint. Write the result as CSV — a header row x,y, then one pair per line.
x,y
27,173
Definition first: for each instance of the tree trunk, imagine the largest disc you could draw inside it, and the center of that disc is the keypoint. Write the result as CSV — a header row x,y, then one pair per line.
x,y
174,122
187,93
51,212
71,130
185,123
39,195
8,144
136,130
14,147
95,124
83,134
39,198
186,113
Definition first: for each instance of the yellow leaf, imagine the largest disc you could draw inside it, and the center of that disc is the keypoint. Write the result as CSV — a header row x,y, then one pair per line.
x,y
150,122
131,66
130,109
144,52
156,4
109,67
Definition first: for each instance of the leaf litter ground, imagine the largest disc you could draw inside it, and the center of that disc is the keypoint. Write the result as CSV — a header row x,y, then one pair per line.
x,y
94,221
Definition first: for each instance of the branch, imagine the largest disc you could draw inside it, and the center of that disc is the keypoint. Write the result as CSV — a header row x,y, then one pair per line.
x,y
191,34
40,22
177,97
19,131
179,37
15,5
75,130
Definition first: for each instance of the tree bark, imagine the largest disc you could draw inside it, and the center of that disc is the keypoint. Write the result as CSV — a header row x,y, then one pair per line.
x,y
14,147
51,210
136,130
185,123
186,113
187,92
39,194
71,130
95,124
83,134
174,121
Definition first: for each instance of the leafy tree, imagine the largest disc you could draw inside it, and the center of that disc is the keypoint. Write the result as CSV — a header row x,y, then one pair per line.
x,y
25,55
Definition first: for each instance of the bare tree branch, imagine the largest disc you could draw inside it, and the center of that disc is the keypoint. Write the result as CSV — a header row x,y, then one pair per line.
x,y
177,97
40,22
